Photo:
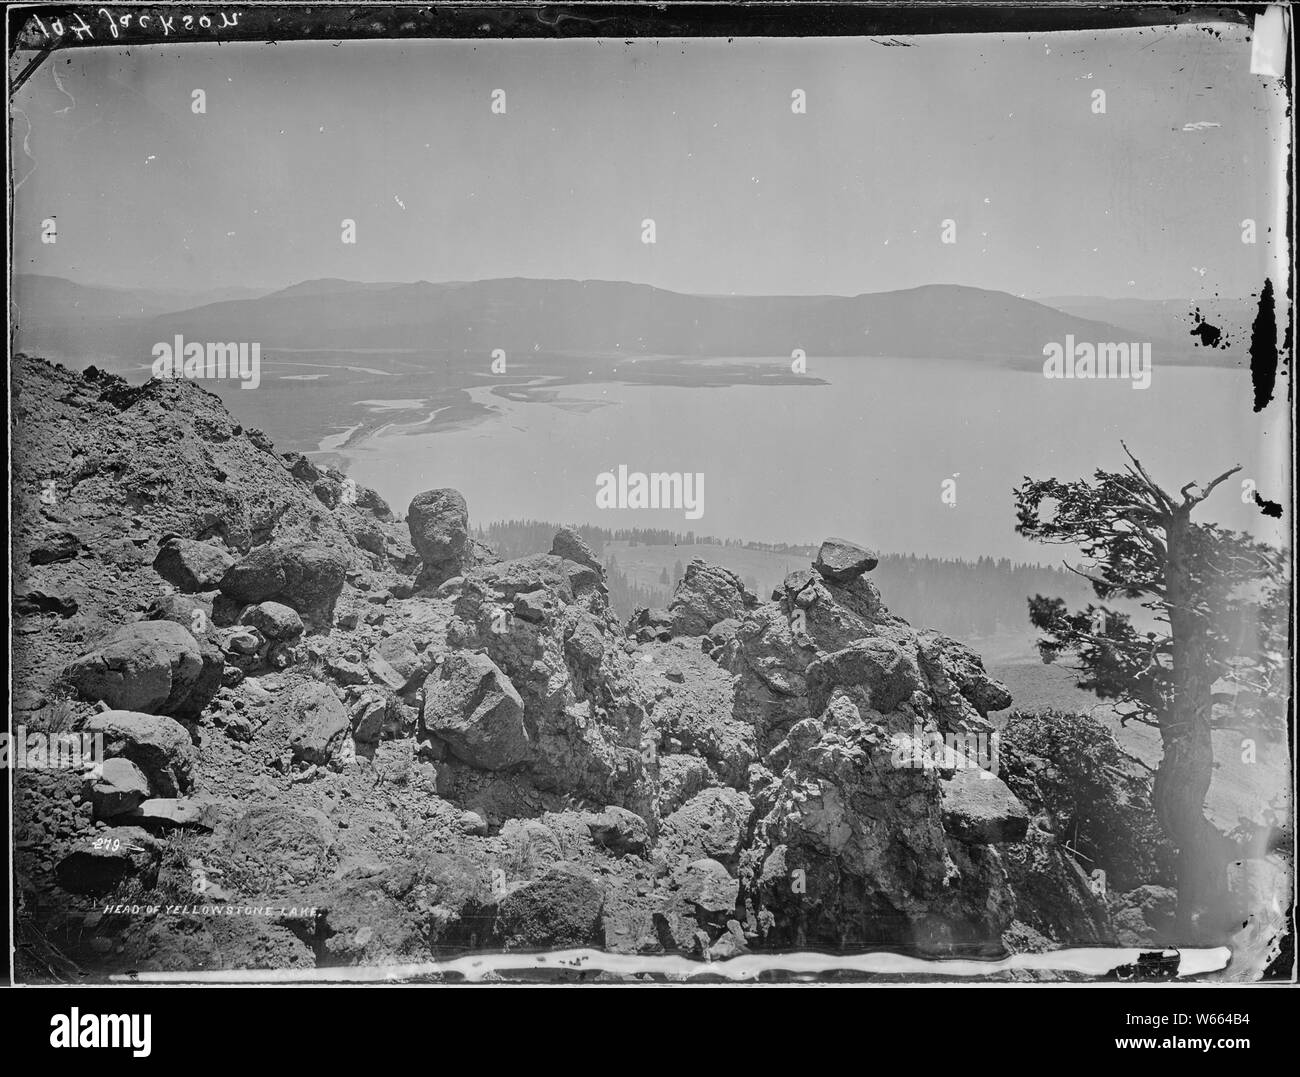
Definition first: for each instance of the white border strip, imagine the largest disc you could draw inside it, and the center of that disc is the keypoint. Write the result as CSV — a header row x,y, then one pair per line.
x,y
1088,962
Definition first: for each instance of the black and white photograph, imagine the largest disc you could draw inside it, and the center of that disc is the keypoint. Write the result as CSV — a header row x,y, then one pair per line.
x,y
609,495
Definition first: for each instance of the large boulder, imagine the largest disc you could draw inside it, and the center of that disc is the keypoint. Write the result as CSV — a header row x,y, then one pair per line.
x,y
841,561
306,576
706,595
474,708
189,565
439,524
158,745
157,667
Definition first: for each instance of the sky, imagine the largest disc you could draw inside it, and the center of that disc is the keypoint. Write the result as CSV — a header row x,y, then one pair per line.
x,y
998,134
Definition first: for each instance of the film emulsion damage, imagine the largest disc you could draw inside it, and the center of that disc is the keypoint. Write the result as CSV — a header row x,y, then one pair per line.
x,y
371,620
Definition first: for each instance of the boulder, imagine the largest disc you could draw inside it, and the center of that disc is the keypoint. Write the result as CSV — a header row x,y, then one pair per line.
x,y
307,576
978,808
840,561
473,824
620,831
710,825
951,665
708,884
274,620
439,524
370,717
120,787
383,673
477,711
156,667
190,565
158,745
321,721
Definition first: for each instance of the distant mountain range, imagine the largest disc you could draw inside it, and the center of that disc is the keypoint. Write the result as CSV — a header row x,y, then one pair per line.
x,y
606,318
1173,319
43,299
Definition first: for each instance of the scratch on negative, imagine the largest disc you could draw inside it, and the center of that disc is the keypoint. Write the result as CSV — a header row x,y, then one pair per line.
x,y
26,149
54,70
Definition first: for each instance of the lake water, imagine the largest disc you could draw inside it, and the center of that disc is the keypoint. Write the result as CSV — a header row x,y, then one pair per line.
x,y
864,456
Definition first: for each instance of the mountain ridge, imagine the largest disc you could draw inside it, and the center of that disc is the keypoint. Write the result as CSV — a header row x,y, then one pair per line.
x,y
612,318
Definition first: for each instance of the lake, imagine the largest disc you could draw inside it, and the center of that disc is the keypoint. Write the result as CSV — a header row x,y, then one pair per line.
x,y
864,453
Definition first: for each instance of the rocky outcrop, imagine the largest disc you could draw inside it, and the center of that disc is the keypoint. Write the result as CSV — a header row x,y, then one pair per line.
x,y
570,546
437,751
706,595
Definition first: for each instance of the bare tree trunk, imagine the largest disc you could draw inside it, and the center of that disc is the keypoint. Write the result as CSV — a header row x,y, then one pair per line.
x,y
1187,766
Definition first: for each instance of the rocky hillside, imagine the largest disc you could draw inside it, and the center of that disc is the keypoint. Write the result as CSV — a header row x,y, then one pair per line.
x,y
383,744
